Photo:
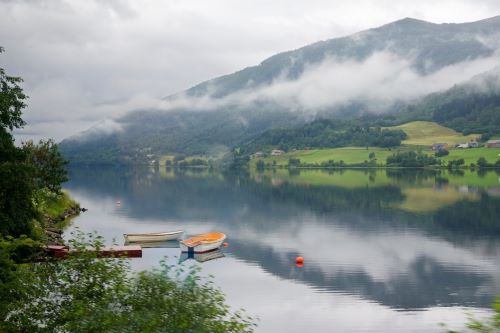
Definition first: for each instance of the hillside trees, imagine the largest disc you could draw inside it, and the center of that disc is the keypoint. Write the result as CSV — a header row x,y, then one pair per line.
x,y
327,133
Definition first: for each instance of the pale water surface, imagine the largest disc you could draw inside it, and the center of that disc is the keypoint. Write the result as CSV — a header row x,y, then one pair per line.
x,y
385,251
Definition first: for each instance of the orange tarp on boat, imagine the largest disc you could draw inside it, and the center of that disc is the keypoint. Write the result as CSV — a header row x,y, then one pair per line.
x,y
203,238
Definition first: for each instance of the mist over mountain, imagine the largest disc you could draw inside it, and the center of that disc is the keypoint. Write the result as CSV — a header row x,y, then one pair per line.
x,y
377,71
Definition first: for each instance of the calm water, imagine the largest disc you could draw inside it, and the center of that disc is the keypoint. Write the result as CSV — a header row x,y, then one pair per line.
x,y
385,251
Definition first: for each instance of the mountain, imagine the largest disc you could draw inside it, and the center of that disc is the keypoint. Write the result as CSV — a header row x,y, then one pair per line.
x,y
469,107
428,46
282,91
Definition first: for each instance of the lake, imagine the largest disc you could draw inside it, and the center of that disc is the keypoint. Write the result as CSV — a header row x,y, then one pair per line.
x,y
384,250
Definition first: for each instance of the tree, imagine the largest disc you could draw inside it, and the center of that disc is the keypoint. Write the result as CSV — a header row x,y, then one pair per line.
x,y
482,163
11,100
16,188
48,164
441,153
260,165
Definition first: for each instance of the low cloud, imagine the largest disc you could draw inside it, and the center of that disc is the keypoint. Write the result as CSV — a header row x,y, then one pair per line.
x,y
378,81
84,61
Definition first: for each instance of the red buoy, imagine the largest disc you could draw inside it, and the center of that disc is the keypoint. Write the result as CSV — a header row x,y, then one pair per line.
x,y
299,261
225,244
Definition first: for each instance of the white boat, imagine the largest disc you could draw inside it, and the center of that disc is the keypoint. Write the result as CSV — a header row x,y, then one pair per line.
x,y
153,237
171,244
203,243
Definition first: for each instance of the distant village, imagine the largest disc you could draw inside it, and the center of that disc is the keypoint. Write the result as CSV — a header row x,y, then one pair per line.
x,y
466,145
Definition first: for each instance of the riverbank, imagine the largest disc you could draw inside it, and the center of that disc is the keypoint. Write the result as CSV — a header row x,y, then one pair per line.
x,y
56,212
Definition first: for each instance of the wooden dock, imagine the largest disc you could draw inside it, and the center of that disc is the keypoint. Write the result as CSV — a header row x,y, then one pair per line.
x,y
128,251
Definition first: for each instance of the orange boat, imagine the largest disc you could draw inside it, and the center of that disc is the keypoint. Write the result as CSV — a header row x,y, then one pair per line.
x,y
203,243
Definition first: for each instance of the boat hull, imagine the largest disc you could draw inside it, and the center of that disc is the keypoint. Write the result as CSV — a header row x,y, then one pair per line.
x,y
202,257
203,245
153,237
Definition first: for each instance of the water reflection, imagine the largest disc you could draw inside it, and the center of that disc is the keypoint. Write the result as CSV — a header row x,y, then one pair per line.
x,y
405,240
202,257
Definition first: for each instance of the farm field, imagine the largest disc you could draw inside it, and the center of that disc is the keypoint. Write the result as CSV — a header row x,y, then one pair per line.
x,y
350,155
425,133
421,135
471,155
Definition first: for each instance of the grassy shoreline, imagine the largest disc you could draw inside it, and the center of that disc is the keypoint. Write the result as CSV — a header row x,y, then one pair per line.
x,y
56,212
359,157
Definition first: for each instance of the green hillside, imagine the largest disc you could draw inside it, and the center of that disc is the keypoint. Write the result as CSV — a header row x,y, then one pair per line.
x,y
425,133
232,123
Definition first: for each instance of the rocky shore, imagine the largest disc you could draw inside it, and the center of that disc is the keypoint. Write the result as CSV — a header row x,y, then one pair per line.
x,y
54,225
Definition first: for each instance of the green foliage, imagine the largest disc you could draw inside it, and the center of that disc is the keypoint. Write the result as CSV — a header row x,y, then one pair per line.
x,y
53,204
441,153
411,159
260,165
325,133
24,173
11,100
464,108
85,294
482,163
13,252
455,164
490,325
49,165
16,189
293,162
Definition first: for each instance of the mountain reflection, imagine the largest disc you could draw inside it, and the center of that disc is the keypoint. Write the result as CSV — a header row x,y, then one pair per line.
x,y
408,240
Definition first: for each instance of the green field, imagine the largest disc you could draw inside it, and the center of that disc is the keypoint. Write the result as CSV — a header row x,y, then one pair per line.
x,y
350,155
420,134
471,155
425,133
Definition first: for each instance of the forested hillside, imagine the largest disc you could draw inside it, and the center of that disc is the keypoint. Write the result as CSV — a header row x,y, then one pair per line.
x,y
325,133
232,110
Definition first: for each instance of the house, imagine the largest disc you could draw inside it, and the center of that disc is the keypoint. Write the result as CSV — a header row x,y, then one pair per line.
x,y
463,145
277,152
473,144
439,146
259,154
493,144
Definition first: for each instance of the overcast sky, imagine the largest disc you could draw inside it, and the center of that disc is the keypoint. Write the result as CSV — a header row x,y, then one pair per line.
x,y
89,60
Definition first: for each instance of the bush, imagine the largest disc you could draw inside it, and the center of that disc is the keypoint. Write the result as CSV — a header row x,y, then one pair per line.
x,y
482,163
490,325
411,159
293,162
85,294
441,153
